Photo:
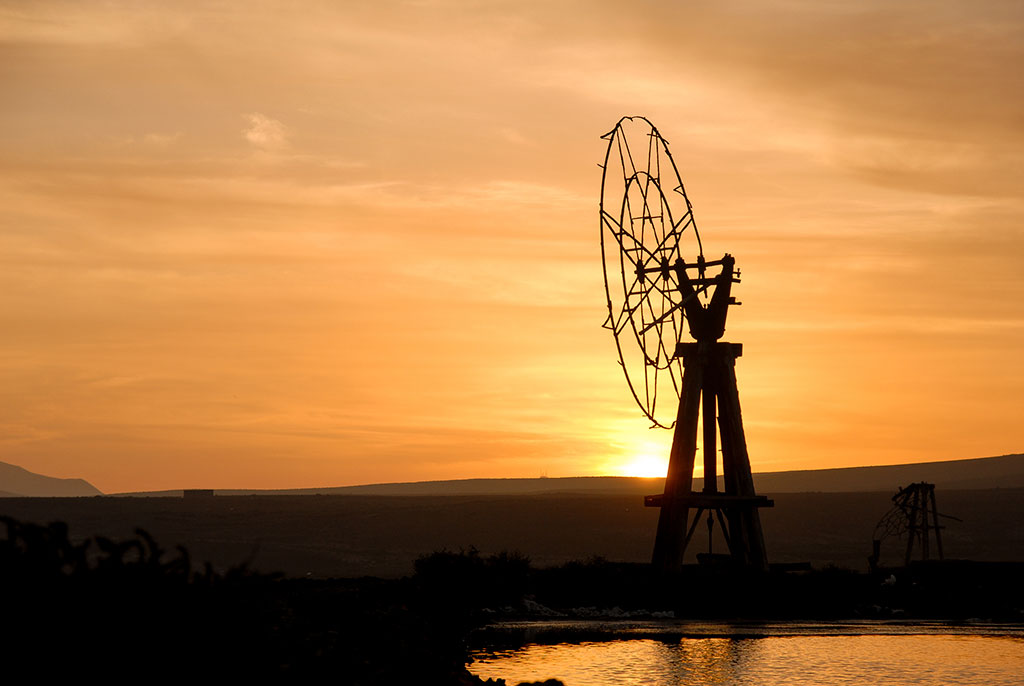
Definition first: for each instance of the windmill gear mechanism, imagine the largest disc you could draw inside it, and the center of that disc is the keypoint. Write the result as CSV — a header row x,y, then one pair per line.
x,y
659,286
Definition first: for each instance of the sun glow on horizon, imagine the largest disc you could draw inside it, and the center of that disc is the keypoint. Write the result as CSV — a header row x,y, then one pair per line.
x,y
643,453
651,466
648,466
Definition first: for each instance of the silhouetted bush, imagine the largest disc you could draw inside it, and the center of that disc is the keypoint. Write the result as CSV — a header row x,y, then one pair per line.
x,y
457,583
125,606
127,611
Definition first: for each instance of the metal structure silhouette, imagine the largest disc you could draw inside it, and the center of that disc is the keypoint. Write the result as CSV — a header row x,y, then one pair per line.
x,y
912,508
658,284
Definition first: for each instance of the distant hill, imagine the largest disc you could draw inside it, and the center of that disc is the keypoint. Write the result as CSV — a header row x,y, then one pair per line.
x,y
1006,471
595,485
18,482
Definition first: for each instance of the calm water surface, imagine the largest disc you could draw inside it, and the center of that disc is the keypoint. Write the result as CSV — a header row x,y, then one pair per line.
x,y
676,654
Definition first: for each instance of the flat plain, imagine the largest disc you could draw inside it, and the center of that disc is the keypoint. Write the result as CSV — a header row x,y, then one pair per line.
x,y
328,536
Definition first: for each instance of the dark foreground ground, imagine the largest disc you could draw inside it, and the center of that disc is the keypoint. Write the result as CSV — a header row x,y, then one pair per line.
x,y
352,536
127,610
384,590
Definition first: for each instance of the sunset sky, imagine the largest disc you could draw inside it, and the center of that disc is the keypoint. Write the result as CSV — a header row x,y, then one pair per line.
x,y
275,244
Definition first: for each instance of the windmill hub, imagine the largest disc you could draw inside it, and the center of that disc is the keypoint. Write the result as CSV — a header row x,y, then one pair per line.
x,y
656,277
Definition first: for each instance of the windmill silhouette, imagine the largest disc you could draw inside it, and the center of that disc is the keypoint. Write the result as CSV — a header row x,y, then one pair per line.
x,y
656,288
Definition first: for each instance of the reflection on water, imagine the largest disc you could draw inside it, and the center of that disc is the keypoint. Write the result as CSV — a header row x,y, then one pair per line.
x,y
767,661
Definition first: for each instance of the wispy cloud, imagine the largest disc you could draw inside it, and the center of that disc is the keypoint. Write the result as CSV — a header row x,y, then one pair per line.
x,y
265,133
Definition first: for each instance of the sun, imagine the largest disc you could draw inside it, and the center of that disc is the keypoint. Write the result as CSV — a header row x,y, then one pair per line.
x,y
647,466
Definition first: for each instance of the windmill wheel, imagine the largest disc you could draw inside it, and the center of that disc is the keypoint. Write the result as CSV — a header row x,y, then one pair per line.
x,y
647,225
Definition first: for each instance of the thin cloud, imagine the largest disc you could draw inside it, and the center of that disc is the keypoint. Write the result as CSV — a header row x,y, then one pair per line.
x,y
161,140
266,133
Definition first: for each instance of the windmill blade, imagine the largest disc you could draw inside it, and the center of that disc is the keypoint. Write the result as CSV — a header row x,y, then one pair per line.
x,y
642,234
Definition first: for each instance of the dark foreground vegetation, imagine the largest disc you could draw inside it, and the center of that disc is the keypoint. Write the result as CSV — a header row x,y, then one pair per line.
x,y
128,610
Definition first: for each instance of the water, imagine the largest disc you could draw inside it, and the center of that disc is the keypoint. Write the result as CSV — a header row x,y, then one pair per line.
x,y
775,654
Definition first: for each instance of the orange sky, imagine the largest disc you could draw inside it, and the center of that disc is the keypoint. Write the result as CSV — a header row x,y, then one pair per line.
x,y
274,244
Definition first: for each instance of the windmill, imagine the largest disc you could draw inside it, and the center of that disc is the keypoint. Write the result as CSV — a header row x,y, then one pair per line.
x,y
913,506
658,284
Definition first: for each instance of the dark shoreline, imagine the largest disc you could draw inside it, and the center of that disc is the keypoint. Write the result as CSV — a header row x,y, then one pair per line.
x,y
538,631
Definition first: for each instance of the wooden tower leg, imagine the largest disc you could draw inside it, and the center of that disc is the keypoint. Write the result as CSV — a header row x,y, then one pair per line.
x,y
911,528
670,541
935,525
710,444
745,534
924,523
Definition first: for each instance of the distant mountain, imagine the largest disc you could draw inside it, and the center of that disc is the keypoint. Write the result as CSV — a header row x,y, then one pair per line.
x,y
18,482
1006,471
